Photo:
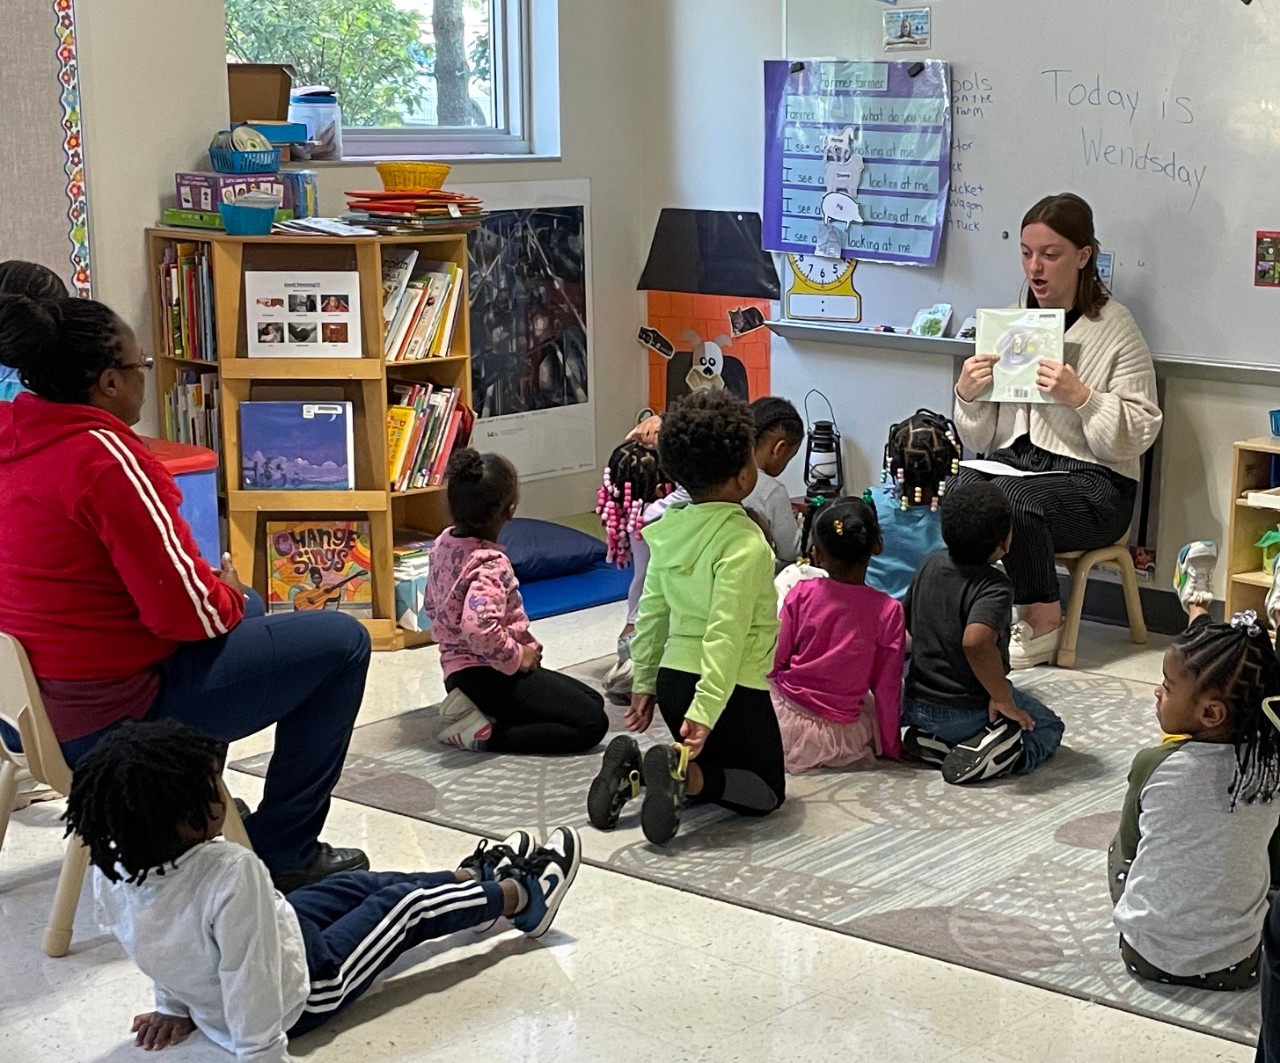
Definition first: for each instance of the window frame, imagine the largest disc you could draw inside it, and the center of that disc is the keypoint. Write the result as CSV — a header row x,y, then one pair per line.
x,y
510,39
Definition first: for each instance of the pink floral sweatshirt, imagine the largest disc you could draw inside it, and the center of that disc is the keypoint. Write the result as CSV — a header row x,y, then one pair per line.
x,y
473,599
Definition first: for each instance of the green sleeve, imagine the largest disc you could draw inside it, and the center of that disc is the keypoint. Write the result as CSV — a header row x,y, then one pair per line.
x,y
737,578
652,626
1144,766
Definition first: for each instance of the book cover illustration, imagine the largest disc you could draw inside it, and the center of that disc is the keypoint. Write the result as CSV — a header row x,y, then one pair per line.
x,y
319,565
302,314
296,446
1022,339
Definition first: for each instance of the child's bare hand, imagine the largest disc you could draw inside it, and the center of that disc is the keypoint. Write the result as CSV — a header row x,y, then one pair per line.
x,y
1011,711
530,658
640,714
695,736
156,1030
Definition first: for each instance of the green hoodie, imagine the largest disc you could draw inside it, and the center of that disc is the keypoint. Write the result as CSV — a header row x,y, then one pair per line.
x,y
709,606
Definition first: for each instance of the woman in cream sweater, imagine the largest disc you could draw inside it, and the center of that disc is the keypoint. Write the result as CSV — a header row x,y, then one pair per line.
x,y
1101,418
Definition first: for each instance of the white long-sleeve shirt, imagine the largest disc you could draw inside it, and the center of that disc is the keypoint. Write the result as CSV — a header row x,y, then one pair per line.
x,y
222,946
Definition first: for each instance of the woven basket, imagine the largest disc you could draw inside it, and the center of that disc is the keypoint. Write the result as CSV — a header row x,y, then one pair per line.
x,y
412,176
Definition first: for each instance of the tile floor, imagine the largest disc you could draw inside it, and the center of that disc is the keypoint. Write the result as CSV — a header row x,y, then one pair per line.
x,y
630,971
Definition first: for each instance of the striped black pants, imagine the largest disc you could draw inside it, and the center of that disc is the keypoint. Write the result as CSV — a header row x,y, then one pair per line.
x,y
1087,507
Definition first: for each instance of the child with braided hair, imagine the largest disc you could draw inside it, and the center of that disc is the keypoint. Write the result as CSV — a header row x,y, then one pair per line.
x,y
1190,868
841,642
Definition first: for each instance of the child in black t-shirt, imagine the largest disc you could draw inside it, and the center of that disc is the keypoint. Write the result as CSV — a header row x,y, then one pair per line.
x,y
959,708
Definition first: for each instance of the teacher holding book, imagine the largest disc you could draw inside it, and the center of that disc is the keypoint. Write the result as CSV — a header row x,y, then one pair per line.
x,y
1096,418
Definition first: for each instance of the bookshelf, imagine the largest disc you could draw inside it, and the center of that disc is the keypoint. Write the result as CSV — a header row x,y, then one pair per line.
x,y
1247,581
234,378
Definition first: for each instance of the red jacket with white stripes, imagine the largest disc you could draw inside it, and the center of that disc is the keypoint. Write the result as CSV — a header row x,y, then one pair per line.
x,y
99,575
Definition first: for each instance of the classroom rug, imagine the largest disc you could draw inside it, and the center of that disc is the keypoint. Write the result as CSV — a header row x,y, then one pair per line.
x,y
1007,877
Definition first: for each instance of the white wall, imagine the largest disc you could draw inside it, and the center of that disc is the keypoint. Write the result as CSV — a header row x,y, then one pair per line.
x,y
151,107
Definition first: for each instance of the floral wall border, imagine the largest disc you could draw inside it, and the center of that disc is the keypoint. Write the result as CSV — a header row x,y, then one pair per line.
x,y
73,146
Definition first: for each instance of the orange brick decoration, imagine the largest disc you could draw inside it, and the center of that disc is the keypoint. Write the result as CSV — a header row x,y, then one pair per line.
x,y
673,314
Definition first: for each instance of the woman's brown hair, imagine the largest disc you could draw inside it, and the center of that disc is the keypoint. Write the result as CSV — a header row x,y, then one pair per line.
x,y
1072,218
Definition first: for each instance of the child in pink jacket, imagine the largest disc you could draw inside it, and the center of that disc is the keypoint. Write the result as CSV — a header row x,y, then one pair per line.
x,y
500,697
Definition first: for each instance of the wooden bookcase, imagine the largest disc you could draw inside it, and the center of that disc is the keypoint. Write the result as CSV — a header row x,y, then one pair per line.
x,y
362,381
1247,581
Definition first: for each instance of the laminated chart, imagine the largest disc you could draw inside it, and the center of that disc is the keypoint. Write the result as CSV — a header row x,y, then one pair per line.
x,y
857,159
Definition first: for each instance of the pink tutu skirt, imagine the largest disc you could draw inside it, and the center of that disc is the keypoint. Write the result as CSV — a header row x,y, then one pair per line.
x,y
811,742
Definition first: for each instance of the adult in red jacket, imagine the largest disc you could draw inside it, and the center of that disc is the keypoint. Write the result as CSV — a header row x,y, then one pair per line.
x,y
101,582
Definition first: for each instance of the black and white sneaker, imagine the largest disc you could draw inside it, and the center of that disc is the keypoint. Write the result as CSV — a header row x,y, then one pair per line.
x,y
921,745
666,771
546,875
990,753
616,784
488,860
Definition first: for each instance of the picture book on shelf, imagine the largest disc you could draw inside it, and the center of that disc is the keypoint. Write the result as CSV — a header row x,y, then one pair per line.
x,y
1022,339
317,564
296,446
425,424
420,325
302,314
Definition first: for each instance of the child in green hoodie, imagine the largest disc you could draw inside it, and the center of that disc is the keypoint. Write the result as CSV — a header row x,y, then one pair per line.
x,y
705,636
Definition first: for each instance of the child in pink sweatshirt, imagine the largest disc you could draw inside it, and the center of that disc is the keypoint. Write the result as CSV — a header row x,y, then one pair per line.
x,y
500,697
840,642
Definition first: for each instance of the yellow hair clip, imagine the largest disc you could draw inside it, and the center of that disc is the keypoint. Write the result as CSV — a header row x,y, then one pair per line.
x,y
839,526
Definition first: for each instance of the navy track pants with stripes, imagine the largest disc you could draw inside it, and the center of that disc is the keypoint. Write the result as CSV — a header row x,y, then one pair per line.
x,y
356,924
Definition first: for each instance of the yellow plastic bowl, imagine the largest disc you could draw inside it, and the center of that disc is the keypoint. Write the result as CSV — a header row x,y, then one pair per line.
x,y
412,176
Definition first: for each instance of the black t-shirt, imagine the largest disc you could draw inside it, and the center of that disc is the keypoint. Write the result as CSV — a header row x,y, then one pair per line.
x,y
943,600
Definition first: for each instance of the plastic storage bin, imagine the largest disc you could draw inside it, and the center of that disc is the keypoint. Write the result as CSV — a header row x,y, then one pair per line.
x,y
321,114
196,470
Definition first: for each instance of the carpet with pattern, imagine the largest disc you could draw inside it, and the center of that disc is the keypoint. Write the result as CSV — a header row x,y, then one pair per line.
x,y
1006,877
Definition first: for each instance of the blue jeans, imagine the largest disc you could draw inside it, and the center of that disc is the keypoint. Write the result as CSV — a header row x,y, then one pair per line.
x,y
303,672
955,725
356,924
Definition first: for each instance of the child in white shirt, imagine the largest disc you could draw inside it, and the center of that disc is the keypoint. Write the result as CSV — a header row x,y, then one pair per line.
x,y
227,953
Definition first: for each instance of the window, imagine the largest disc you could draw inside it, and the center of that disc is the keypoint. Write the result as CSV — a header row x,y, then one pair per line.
x,y
413,77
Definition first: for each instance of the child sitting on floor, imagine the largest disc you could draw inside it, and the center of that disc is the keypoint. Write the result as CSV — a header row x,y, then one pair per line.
x,y
1189,870
704,638
960,710
840,641
922,452
779,433
227,953
500,697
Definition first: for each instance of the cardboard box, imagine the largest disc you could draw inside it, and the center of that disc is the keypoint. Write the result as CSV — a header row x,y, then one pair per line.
x,y
259,92
204,191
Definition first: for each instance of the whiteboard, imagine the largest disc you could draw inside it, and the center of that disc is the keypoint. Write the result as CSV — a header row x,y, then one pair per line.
x,y
1164,116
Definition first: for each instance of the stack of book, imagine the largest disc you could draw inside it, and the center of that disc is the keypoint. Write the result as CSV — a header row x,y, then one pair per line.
x,y
420,305
412,552
191,410
421,210
424,425
186,289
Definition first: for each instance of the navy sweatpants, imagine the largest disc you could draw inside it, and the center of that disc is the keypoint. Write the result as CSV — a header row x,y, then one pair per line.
x,y
356,924
303,672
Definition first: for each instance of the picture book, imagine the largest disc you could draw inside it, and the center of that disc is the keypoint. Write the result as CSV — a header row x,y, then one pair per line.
x,y
302,314
397,267
1022,339
296,446
319,564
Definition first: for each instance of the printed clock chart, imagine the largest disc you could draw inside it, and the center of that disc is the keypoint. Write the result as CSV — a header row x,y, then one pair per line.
x,y
857,159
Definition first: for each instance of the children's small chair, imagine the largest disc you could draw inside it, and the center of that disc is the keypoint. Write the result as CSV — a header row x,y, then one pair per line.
x,y
1080,563
22,709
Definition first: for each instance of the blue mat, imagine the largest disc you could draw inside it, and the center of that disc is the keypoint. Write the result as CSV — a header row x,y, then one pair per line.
x,y
565,594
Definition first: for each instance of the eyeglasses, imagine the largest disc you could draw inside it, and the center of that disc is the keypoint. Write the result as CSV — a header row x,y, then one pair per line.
x,y
146,363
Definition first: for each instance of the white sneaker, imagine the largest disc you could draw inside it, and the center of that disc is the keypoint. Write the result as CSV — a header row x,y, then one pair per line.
x,y
465,726
1027,652
1193,577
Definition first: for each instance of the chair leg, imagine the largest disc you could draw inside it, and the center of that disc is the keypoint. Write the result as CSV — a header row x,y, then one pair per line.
x,y
1066,657
8,794
1133,602
57,935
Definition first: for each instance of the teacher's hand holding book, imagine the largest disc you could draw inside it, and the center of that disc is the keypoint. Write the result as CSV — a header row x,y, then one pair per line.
x,y
1059,381
975,376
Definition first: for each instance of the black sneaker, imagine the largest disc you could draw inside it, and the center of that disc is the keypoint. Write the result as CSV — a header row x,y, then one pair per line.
x,y
990,753
327,861
546,875
921,745
665,770
616,784
488,859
